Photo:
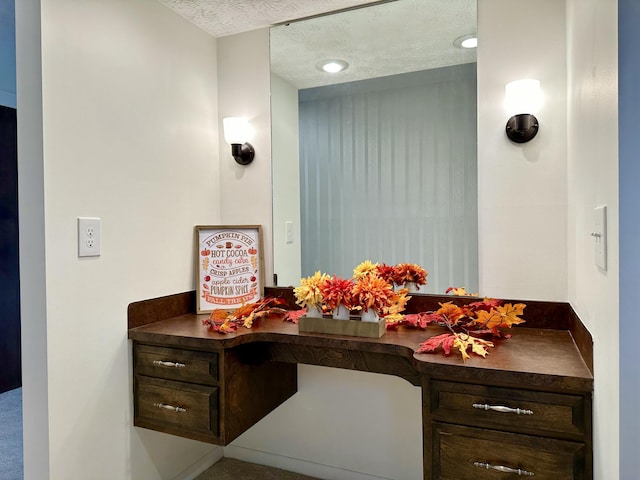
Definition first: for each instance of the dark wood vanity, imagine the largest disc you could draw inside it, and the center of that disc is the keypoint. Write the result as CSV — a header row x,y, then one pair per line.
x,y
523,411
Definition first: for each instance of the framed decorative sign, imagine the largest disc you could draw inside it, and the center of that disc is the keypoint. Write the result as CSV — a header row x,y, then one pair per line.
x,y
230,266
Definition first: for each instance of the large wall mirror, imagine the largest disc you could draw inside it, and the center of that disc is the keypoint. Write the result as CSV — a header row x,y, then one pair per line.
x,y
377,161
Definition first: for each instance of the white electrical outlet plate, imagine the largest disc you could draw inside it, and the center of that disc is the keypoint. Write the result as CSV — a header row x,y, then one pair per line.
x,y
288,232
88,237
599,235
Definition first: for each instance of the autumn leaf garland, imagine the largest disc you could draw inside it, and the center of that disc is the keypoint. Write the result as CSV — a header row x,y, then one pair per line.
x,y
228,321
467,324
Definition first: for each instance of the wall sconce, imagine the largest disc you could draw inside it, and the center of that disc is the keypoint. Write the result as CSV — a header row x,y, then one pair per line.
x,y
236,131
523,98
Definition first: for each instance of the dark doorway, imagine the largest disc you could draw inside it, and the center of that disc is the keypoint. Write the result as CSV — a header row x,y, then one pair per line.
x,y
10,373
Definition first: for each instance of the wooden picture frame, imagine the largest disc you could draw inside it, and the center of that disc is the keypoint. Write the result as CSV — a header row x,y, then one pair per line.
x,y
229,266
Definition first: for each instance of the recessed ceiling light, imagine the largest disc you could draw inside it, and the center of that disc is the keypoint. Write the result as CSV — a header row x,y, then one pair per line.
x,y
466,41
333,66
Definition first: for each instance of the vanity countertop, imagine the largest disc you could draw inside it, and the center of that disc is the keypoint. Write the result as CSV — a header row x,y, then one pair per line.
x,y
532,357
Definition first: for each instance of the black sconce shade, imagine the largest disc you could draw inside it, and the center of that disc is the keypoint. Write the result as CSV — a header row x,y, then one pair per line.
x,y
244,153
522,127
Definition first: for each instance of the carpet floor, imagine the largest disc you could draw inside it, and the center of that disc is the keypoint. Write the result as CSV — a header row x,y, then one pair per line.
x,y
11,461
231,469
11,467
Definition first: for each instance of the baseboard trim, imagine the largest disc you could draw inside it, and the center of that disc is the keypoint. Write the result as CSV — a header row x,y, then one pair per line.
x,y
201,465
297,465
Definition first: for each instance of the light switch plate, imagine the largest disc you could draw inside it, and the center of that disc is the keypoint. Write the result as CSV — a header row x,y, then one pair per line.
x,y
288,232
599,235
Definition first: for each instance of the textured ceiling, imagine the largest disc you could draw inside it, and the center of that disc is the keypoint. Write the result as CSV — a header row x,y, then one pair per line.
x,y
226,17
388,38
391,38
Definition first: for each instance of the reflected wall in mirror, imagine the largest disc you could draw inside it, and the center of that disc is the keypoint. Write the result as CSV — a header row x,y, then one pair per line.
x,y
377,161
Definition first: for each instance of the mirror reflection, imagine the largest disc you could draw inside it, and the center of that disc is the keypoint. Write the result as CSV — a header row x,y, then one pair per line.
x,y
377,159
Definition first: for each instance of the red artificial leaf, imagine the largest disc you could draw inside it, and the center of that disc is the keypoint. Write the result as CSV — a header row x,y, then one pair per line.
x,y
226,327
294,315
421,320
223,327
486,304
444,340
460,291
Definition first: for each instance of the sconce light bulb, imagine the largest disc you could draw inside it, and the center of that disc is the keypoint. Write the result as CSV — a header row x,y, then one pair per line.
x,y
236,130
523,96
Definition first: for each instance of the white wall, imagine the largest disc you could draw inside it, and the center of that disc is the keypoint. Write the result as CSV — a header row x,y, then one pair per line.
x,y
129,109
592,181
35,388
522,189
243,91
287,257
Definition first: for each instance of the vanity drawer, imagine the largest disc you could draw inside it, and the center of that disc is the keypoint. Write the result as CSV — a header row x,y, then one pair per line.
x,y
512,409
464,453
176,364
193,408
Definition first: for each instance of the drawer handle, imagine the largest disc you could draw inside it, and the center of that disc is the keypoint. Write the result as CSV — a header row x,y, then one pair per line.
x,y
162,363
502,409
170,407
503,469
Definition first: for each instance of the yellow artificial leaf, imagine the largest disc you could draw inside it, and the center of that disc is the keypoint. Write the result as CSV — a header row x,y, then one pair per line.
x,y
460,291
478,346
248,322
509,314
461,344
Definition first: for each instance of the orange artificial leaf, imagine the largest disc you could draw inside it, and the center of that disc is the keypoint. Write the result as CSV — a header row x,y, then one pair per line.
x,y
451,311
490,320
219,315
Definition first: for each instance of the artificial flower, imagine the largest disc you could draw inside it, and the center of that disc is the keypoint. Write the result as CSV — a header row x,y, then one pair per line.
x,y
372,292
336,291
386,272
364,269
409,272
308,294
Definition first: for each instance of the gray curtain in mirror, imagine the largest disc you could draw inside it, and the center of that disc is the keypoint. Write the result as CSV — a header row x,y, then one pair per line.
x,y
388,173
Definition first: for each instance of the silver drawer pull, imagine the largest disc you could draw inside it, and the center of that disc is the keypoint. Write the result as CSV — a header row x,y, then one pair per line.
x,y
170,407
168,364
502,409
503,469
